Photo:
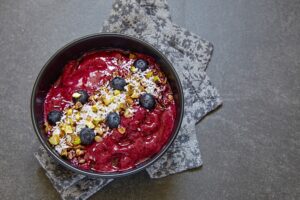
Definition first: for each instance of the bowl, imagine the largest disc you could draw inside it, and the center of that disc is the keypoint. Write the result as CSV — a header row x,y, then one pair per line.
x,y
54,66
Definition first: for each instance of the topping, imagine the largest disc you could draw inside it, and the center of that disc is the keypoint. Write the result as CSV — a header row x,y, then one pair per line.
x,y
113,120
118,83
80,96
122,130
141,64
147,101
54,116
87,136
54,139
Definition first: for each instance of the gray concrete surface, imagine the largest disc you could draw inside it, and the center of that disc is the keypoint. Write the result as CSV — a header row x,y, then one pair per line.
x,y
251,146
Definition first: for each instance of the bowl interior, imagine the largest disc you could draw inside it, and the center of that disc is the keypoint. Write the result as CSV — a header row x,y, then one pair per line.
x,y
53,68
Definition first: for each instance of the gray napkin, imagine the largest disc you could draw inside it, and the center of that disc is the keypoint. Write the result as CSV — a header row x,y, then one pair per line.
x,y
150,20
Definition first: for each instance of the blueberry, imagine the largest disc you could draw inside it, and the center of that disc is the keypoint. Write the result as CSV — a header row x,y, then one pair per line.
x,y
87,136
147,101
113,120
118,83
141,64
54,116
83,98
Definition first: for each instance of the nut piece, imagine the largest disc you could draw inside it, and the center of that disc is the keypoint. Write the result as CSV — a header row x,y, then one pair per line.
x,y
98,138
68,129
117,92
149,74
127,113
81,161
71,154
99,131
156,79
69,112
133,69
78,105
122,130
89,124
135,95
64,152
170,97
79,152
76,95
76,140
94,108
54,140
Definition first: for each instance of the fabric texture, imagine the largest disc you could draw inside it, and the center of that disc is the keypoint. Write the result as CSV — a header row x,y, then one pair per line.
x,y
150,21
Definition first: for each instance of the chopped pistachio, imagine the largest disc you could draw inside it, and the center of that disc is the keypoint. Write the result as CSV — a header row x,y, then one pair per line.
x,y
76,95
122,130
127,114
133,69
156,79
69,112
77,116
68,129
94,108
97,120
135,95
54,140
108,100
76,140
149,74
89,124
117,92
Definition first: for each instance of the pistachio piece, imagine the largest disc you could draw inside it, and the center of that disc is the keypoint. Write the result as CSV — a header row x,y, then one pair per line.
x,y
77,116
68,129
135,95
117,92
127,113
89,124
69,112
133,69
94,108
54,140
149,74
76,140
156,79
97,120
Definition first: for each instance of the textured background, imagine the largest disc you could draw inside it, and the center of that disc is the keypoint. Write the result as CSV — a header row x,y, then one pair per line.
x,y
250,147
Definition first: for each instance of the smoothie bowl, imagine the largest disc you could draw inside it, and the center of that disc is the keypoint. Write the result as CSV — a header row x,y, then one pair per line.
x,y
107,105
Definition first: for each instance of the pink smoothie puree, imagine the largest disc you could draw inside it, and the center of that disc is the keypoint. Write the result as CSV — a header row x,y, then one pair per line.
x,y
109,111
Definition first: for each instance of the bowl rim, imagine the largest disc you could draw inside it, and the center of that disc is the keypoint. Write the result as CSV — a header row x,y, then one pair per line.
x,y
102,174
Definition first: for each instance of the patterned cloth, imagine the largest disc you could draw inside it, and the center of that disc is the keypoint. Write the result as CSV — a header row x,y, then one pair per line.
x,y
150,20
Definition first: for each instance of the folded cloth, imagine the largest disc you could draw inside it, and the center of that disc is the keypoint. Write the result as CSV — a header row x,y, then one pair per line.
x,y
150,21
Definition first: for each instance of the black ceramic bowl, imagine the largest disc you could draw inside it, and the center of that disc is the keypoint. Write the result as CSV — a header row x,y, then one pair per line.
x,y
53,68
